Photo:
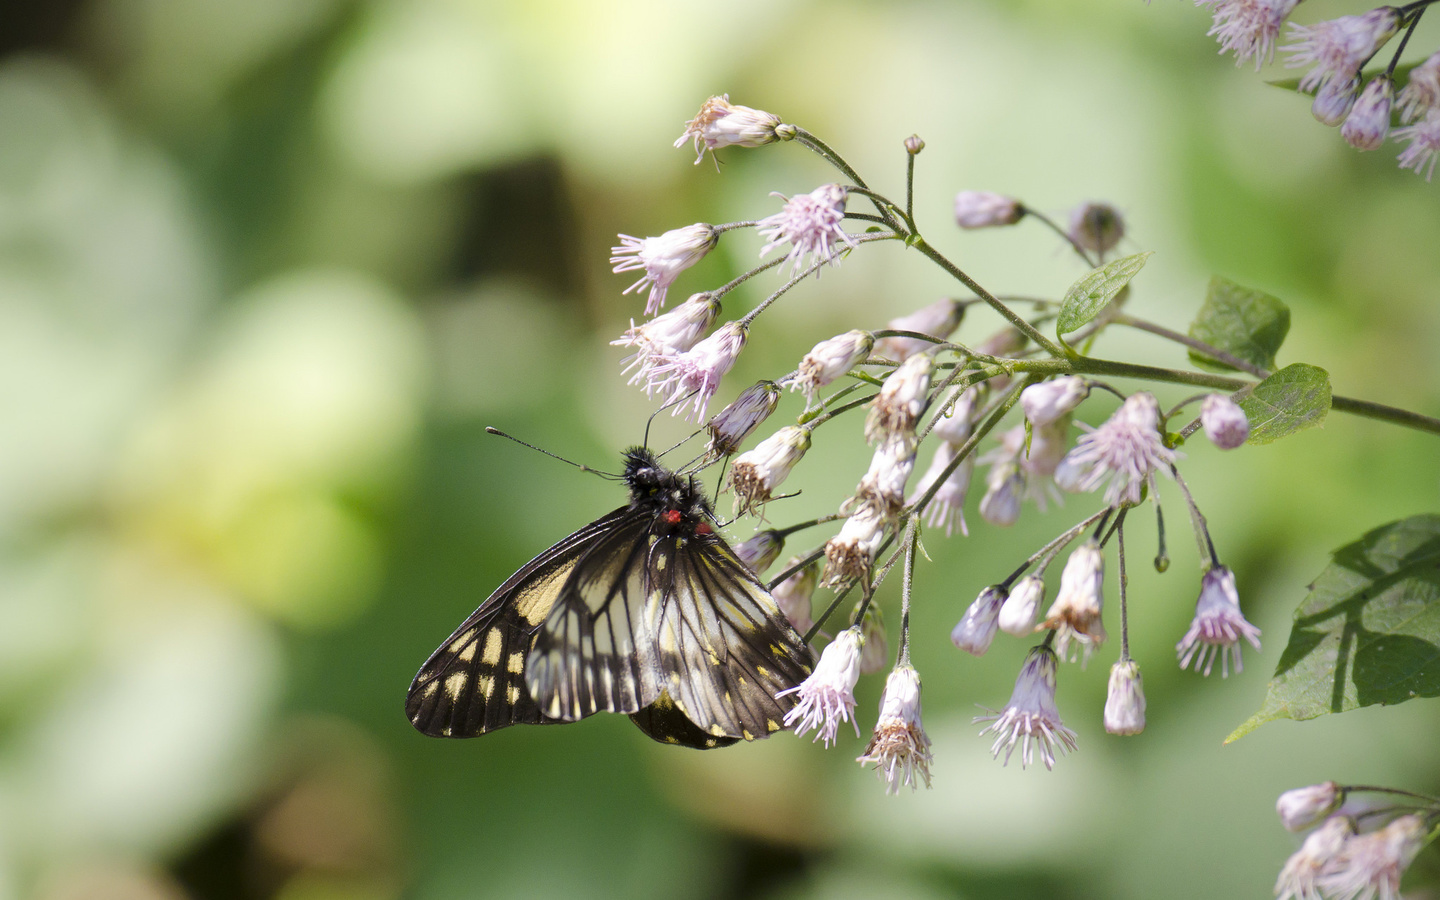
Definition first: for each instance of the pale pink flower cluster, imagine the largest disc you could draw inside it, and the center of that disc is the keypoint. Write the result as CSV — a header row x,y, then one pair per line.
x,y
811,225
1248,28
690,379
1126,451
827,697
662,259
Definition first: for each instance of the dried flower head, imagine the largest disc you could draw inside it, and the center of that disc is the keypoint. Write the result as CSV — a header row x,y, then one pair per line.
x,y
732,425
721,123
849,554
662,258
1217,627
1224,421
1302,807
984,209
899,747
761,550
827,697
1022,607
1369,119
1125,701
939,320
1097,227
1369,866
811,224
890,467
1031,719
901,400
668,334
976,629
1127,450
830,359
758,472
1075,615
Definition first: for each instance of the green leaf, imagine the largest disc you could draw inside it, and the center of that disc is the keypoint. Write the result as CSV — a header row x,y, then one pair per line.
x,y
1368,633
1294,398
1245,323
1089,295
1402,75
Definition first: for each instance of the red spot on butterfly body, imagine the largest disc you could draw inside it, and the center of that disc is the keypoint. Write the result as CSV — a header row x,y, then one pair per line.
x,y
672,516
703,528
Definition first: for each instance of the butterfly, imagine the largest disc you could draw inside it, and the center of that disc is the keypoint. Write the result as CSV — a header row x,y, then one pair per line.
x,y
645,611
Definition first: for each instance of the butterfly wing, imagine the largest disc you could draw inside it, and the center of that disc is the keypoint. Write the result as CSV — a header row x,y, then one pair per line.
x,y
476,681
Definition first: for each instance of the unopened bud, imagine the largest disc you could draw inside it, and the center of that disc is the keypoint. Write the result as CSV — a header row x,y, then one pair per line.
x,y
756,473
1302,807
1224,421
1022,607
913,145
939,320
976,629
1334,100
984,209
761,550
1049,400
830,359
1369,119
732,425
1097,227
1125,704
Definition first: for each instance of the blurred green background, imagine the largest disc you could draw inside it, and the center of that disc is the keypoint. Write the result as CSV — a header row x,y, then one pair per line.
x,y
267,269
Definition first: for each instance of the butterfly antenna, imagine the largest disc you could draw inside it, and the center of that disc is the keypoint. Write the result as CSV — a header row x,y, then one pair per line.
x,y
581,466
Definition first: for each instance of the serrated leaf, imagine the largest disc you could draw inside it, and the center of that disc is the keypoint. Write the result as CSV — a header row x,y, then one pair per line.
x,y
1368,633
1089,295
1294,398
1244,322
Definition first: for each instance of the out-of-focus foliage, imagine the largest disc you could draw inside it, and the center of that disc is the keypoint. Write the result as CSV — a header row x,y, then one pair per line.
x,y
267,269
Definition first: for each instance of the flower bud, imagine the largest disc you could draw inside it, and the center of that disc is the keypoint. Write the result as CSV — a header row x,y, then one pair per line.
x,y
721,123
984,209
732,425
793,595
900,402
761,550
848,555
1049,400
1369,119
1125,704
913,145
1075,614
1097,227
1022,607
1224,421
1422,89
1302,807
1334,100
830,359
756,473
976,628
939,320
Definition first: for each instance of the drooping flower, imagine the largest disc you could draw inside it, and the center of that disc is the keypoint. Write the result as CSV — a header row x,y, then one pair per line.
x,y
1301,873
939,320
829,360
662,258
899,747
721,123
1048,401
985,209
1031,719
1224,421
1369,119
1218,626
793,595
761,550
1334,100
1248,28
1075,614
1369,866
890,469
1422,89
1302,807
1097,227
811,224
1125,701
1127,450
1336,48
691,378
955,418
757,473
1022,607
901,400
1424,138
849,554
976,629
948,505
668,334
1004,488
732,425
827,697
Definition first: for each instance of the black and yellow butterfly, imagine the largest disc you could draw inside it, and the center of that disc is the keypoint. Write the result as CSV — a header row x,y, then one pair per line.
x,y
645,611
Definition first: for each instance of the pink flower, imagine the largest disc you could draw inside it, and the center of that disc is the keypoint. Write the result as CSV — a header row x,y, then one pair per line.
x,y
1075,614
1127,450
827,697
1369,119
1422,89
1424,138
667,335
1018,614
761,550
811,224
1298,879
901,400
662,258
1224,421
721,123
691,378
1336,48
1369,866
758,472
1217,627
1248,28
976,628
984,209
732,425
1125,702
1302,807
830,359
849,554
1031,719
899,748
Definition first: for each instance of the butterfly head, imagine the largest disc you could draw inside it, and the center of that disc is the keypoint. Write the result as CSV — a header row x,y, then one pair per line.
x,y
675,499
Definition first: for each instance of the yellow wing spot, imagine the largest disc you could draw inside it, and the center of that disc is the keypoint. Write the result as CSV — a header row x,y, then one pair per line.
x,y
709,742
554,711
493,642
772,725
671,739
716,730
445,732
746,735
467,652
512,694
431,688
485,684
458,645
714,659
740,679
762,671
660,562
455,684
516,663
729,701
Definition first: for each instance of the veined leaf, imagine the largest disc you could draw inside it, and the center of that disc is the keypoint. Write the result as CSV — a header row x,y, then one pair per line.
x,y
1086,297
1246,323
1294,398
